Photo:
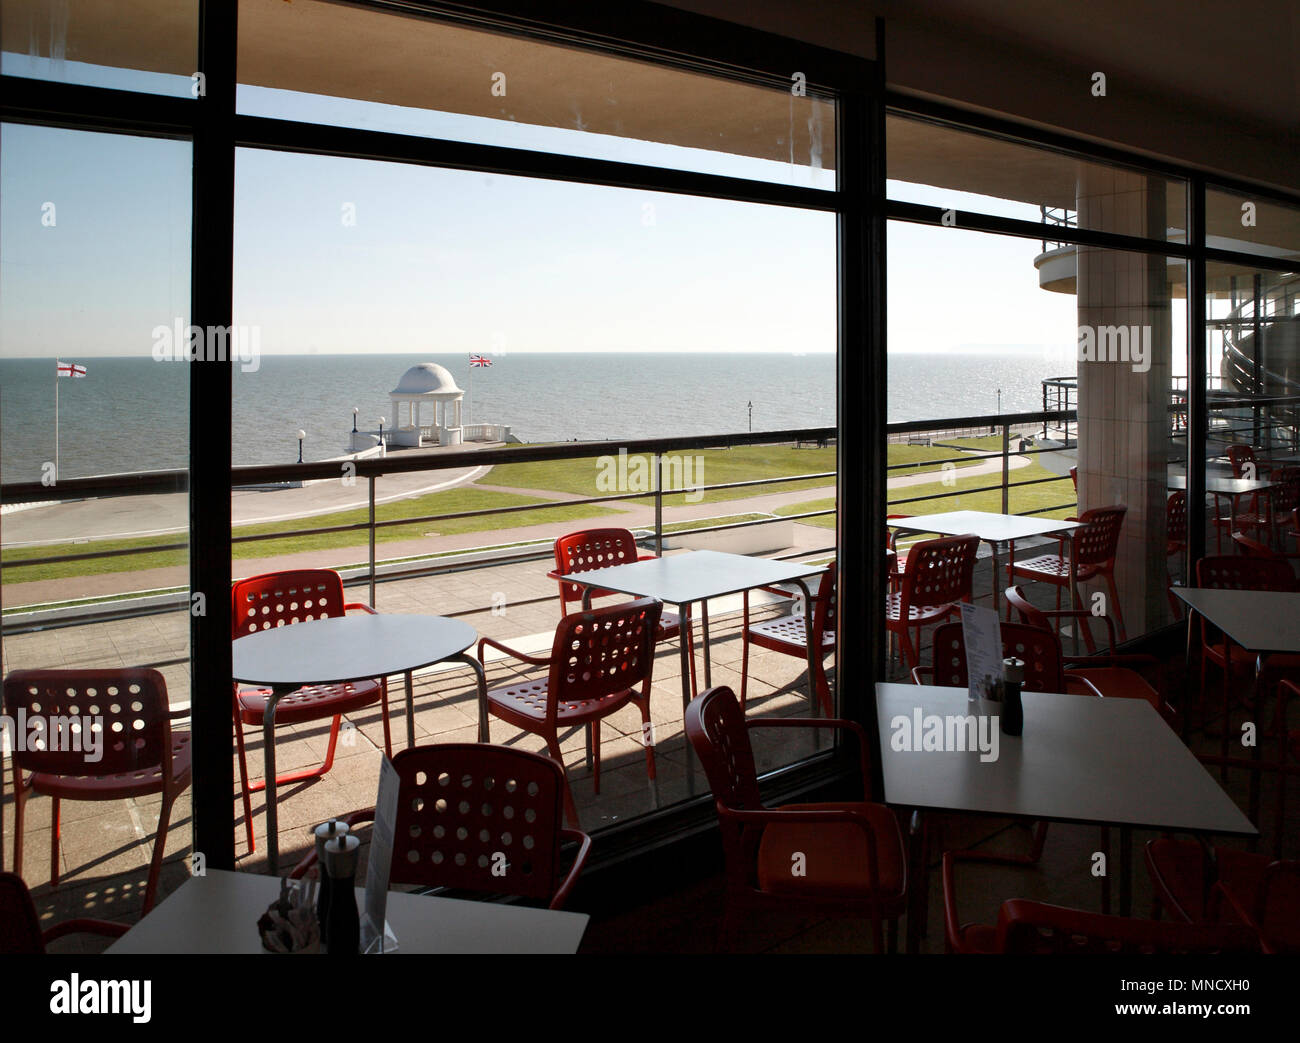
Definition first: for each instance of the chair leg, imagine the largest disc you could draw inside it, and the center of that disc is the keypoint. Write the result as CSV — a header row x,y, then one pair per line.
x,y
20,802
306,773
383,702
823,688
595,756
244,787
1119,610
647,736
570,809
55,823
744,666
159,846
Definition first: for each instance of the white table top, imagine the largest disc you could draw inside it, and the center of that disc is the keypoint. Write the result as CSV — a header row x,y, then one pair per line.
x,y
1080,759
1223,485
218,913
1258,620
681,579
347,648
988,526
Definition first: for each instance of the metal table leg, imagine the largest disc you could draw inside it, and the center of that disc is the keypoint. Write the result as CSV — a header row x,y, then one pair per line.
x,y
480,679
808,645
918,881
410,710
684,648
1125,871
268,761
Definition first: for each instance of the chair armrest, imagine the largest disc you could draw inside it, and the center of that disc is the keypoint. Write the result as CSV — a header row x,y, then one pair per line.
x,y
919,672
1080,686
534,660
580,859
104,928
952,922
361,607
309,859
1085,615
824,722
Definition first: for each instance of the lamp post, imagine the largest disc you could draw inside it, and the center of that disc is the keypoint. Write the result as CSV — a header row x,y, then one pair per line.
x,y
301,435
354,419
751,416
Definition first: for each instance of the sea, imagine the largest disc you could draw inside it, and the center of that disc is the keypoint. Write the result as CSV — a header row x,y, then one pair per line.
x,y
132,414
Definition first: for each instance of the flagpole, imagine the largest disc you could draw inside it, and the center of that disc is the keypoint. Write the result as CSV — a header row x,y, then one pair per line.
x,y
469,394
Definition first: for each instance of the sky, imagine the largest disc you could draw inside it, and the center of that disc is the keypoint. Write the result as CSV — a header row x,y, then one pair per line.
x,y
340,255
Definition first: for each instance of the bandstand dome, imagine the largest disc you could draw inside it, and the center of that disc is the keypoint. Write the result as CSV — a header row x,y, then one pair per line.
x,y
426,385
428,378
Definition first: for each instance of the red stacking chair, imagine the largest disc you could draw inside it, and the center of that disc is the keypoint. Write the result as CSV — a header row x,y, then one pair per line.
x,y
1040,648
852,852
601,549
1034,928
461,805
1242,888
1074,478
895,559
141,755
20,927
596,659
277,599
1113,676
939,574
789,635
1175,541
1255,515
1092,554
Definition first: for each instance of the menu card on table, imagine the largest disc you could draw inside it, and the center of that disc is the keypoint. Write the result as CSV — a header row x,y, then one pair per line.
x,y
982,634
375,935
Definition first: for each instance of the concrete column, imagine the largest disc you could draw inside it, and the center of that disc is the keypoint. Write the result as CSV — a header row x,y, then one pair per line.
x,y
1124,426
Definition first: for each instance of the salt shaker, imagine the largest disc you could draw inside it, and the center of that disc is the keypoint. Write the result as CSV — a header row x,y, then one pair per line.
x,y
343,930
1013,713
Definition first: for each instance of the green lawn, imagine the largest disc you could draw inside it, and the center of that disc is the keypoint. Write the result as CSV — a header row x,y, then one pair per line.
x,y
447,502
1021,500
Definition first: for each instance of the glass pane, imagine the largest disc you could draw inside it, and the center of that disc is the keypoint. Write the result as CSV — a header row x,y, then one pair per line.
x,y
1243,222
94,259
606,315
133,45
1098,335
963,170
347,66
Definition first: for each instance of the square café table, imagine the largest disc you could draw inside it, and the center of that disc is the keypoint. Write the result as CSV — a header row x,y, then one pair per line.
x,y
1109,762
696,576
218,913
1266,622
993,529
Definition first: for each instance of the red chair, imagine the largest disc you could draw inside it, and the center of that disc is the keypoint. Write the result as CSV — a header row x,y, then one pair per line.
x,y
601,549
277,599
1093,547
140,754
851,853
939,574
789,636
1113,676
596,659
1175,541
895,559
1256,515
1038,647
462,805
20,927
1035,928
1074,478
1242,888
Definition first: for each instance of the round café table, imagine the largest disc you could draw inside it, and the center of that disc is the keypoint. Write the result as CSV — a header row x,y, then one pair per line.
x,y
342,649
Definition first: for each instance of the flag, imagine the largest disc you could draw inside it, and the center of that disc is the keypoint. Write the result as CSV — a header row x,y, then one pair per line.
x,y
479,360
70,369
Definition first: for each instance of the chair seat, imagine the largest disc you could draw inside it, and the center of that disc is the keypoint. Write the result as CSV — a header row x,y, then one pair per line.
x,y
835,855
786,634
138,783
310,703
915,614
1118,682
1051,568
524,704
1176,868
670,625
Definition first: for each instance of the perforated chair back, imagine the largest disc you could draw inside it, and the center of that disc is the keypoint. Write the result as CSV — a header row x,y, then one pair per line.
x,y
276,599
1039,648
1235,572
130,725
20,928
939,571
1284,495
602,652
1176,521
478,818
1097,539
1036,928
715,726
591,549
824,606
1239,456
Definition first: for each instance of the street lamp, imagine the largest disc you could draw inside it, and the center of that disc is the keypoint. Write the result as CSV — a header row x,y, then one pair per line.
x,y
354,419
301,435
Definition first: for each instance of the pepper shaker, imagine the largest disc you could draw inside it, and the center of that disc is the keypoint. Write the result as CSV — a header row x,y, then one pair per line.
x,y
1013,712
343,932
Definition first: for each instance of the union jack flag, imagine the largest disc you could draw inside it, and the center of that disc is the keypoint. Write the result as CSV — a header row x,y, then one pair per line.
x,y
479,360
70,369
